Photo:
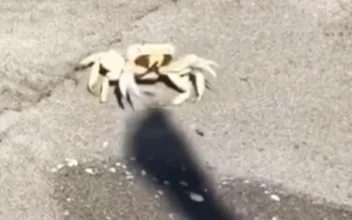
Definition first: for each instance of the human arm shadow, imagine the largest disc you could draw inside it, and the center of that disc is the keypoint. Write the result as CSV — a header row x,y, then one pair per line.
x,y
162,151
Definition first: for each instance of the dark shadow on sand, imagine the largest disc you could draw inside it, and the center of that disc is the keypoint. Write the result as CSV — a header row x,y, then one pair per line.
x,y
162,151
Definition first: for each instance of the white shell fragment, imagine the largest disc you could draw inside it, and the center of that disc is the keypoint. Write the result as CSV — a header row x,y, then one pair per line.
x,y
275,197
112,169
53,170
66,213
59,166
90,171
171,216
183,183
71,162
196,197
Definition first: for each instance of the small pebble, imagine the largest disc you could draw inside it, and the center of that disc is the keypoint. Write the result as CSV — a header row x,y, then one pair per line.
x,y
68,199
112,169
59,166
263,185
275,197
199,132
132,158
224,183
71,162
246,181
89,170
144,173
160,192
166,182
196,197
275,218
183,183
105,144
108,218
171,216
66,213
124,167
118,164
266,192
53,170
129,177
157,196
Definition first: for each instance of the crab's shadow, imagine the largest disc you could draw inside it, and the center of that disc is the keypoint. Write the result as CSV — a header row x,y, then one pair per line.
x,y
161,150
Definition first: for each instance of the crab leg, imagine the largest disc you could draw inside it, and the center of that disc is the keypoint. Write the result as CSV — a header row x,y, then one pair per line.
x,y
179,81
200,84
127,81
205,64
93,78
149,76
181,98
105,86
183,84
179,64
90,59
186,84
190,60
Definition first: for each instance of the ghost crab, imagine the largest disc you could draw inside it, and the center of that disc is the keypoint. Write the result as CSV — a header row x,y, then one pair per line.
x,y
146,62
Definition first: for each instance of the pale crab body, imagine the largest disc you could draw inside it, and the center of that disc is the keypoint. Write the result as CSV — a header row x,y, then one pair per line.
x,y
153,54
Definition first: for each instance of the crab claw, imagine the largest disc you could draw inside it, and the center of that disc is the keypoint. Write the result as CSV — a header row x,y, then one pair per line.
x,y
90,59
127,81
189,61
199,83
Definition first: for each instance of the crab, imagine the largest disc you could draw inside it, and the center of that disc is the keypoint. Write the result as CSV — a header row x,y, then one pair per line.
x,y
147,62
112,66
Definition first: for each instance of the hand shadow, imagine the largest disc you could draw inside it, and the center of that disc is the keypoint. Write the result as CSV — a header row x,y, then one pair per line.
x,y
161,150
